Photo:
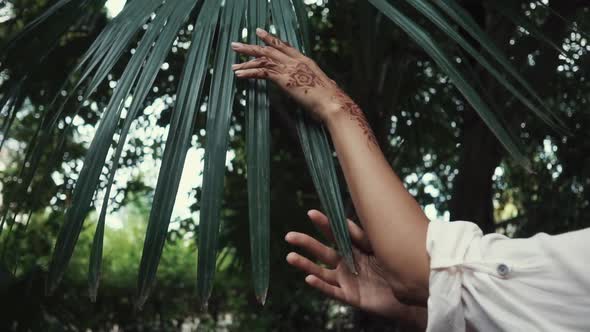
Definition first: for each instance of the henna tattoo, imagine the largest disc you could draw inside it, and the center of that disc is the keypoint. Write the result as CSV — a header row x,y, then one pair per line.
x,y
269,66
304,77
276,41
355,113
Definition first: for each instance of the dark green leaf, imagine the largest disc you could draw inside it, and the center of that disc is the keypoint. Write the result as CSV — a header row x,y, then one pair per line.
x,y
96,155
219,111
258,153
423,39
177,145
316,148
524,22
462,17
175,14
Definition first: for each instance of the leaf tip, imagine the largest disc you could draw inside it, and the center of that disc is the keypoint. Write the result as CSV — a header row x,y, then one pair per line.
x,y
51,283
141,299
351,264
261,297
204,305
93,292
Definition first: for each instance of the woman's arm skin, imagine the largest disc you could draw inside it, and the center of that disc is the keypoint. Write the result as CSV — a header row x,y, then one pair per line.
x,y
392,219
369,290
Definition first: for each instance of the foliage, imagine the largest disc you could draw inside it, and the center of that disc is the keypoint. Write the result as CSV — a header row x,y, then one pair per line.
x,y
429,133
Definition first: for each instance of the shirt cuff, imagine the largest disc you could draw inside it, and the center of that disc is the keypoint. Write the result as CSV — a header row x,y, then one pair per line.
x,y
448,244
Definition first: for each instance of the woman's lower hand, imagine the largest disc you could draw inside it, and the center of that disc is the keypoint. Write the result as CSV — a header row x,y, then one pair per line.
x,y
296,74
370,290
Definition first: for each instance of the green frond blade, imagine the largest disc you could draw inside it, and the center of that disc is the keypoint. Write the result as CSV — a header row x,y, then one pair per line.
x,y
316,148
303,21
114,39
423,39
177,145
465,21
68,8
218,120
258,154
96,155
175,14
523,22
11,103
95,261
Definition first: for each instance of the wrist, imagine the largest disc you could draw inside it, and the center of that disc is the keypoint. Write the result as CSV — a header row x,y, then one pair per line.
x,y
328,112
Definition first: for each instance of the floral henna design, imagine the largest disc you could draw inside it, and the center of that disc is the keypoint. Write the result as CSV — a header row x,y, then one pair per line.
x,y
303,77
269,66
355,112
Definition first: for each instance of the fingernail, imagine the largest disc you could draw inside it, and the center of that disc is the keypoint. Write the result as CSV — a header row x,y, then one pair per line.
x,y
238,72
260,32
234,66
236,45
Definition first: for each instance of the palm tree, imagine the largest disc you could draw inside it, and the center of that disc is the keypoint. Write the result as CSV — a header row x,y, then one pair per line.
x,y
217,24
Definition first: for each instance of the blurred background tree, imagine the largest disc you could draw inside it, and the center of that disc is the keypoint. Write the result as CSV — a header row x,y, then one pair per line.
x,y
446,156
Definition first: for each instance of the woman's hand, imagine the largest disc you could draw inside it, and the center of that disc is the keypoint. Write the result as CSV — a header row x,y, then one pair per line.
x,y
370,290
293,72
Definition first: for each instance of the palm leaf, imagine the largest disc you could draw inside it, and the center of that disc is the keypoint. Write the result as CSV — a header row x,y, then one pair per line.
x,y
175,14
258,154
63,13
11,102
315,145
524,23
96,155
435,17
95,261
425,41
177,145
303,21
290,19
465,21
218,121
571,24
106,50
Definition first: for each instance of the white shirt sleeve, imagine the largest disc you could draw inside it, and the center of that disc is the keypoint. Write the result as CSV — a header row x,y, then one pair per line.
x,y
494,283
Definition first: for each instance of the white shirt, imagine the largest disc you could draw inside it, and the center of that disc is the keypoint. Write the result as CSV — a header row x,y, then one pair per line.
x,y
494,283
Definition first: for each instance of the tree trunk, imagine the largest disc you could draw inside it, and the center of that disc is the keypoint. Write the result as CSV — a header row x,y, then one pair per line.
x,y
472,189
480,150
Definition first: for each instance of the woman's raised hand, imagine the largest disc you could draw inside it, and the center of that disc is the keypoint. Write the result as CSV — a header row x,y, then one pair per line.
x,y
293,72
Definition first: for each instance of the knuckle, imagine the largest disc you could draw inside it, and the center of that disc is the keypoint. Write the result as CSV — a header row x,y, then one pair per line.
x,y
262,72
259,49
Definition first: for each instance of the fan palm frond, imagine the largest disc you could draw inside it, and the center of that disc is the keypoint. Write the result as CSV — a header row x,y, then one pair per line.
x,y
156,23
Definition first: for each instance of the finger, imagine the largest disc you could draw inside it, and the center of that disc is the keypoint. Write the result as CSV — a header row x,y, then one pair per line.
x,y
322,252
255,63
275,42
310,267
262,73
332,291
260,51
321,222
357,235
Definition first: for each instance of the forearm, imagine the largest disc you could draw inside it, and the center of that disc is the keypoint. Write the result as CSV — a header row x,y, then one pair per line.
x,y
393,220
